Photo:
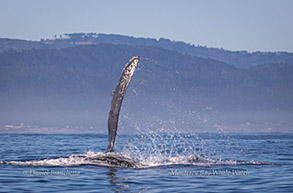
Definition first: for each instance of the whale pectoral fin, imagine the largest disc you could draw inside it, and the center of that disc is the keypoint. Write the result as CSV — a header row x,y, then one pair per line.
x,y
112,130
117,99
110,148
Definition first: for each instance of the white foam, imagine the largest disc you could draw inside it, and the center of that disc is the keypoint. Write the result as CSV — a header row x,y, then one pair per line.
x,y
121,160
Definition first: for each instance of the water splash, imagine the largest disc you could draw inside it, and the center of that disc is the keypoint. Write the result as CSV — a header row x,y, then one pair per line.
x,y
151,148
161,147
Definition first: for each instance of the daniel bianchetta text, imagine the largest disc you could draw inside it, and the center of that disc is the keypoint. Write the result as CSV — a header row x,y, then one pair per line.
x,y
50,173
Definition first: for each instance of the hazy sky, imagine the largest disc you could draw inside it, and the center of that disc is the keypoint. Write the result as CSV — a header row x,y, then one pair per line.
x,y
252,25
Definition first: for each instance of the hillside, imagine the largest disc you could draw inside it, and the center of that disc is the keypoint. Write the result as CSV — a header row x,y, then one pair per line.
x,y
72,86
240,59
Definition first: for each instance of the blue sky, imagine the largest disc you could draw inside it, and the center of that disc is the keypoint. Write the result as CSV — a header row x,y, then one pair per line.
x,y
265,25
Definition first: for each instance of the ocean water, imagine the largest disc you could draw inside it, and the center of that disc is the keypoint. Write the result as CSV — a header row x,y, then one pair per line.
x,y
147,162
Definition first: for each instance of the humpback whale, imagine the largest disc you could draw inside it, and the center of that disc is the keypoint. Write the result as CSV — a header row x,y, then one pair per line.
x,y
118,95
111,159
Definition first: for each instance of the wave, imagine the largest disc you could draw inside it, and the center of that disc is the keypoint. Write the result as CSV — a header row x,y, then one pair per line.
x,y
125,161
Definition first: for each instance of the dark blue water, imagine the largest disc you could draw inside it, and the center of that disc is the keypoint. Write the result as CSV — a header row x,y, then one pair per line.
x,y
241,162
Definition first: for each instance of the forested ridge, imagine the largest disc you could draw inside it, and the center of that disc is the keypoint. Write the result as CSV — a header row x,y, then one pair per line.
x,y
73,84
